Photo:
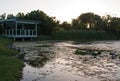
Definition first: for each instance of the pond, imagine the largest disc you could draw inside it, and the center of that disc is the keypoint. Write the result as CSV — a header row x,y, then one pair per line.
x,y
57,61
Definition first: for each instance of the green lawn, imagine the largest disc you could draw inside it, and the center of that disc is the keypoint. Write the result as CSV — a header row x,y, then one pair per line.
x,y
10,67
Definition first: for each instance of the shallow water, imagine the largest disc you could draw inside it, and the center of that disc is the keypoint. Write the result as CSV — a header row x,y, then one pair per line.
x,y
59,63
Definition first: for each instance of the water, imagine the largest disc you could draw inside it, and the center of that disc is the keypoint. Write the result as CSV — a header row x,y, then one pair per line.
x,y
59,63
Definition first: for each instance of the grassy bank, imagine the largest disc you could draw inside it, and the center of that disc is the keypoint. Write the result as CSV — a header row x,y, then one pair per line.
x,y
84,35
10,67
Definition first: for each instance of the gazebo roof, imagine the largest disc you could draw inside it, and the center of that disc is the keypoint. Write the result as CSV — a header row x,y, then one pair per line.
x,y
20,21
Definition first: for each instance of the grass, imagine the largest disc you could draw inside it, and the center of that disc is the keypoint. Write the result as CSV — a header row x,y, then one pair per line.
x,y
80,35
10,67
84,35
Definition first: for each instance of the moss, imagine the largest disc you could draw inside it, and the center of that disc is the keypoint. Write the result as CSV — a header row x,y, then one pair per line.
x,y
80,52
44,45
87,52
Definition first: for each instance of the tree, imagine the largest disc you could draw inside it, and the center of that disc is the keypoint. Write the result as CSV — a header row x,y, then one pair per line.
x,y
65,25
105,23
9,16
47,23
76,24
90,20
114,24
3,16
20,15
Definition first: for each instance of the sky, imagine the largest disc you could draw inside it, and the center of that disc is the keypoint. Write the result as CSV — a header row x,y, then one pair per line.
x,y
63,10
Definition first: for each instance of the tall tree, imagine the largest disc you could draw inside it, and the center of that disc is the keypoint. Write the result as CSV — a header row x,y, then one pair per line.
x,y
91,20
47,23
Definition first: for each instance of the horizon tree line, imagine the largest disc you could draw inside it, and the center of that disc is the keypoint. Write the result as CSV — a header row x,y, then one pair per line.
x,y
86,21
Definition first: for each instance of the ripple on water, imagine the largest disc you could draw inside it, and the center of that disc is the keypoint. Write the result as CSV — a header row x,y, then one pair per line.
x,y
66,66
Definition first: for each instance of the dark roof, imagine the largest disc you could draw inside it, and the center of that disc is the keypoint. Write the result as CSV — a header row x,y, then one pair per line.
x,y
20,21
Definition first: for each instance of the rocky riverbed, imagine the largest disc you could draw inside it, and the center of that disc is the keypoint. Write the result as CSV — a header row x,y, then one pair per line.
x,y
57,61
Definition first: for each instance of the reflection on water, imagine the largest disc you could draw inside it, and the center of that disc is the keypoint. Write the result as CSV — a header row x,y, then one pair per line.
x,y
59,63
38,62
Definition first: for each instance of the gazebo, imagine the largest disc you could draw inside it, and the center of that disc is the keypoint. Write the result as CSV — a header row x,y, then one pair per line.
x,y
18,28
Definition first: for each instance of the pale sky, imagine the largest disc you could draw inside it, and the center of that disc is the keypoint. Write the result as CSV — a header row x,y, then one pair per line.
x,y
63,10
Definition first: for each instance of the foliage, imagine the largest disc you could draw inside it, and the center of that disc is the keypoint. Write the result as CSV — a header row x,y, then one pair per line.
x,y
114,25
3,16
93,21
83,35
77,25
20,15
57,29
47,23
10,16
65,25
10,67
87,52
90,20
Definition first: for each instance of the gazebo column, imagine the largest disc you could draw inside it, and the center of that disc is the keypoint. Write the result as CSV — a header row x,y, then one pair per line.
x,y
28,32
22,26
25,32
32,32
16,28
20,32
12,32
9,32
5,32
2,27
22,29
36,29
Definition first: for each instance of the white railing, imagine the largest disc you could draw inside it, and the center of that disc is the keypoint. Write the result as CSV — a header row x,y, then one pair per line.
x,y
20,33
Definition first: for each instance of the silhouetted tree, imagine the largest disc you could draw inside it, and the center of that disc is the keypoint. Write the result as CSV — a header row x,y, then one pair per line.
x,y
90,20
65,25
114,24
20,15
9,16
76,24
3,16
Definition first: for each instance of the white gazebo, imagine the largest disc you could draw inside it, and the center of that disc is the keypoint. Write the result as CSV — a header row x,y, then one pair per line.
x,y
17,28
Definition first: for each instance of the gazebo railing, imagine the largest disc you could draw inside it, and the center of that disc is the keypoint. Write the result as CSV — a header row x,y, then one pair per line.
x,y
20,33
